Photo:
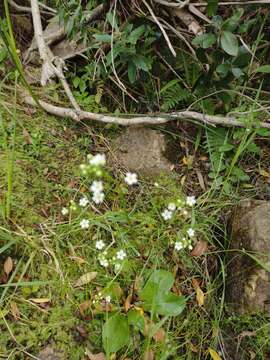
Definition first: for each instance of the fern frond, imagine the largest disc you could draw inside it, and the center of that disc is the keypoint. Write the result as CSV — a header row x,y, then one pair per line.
x,y
172,94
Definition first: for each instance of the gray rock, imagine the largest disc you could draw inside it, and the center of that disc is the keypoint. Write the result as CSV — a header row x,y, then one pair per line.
x,y
141,150
248,283
50,353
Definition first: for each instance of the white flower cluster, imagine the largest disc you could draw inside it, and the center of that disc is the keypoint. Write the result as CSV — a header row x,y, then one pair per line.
x,y
131,178
167,213
97,190
115,260
99,297
94,164
185,242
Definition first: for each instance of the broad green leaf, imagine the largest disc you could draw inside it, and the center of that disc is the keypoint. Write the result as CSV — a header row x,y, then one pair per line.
x,y
131,72
136,319
170,304
229,43
157,296
263,69
115,333
204,40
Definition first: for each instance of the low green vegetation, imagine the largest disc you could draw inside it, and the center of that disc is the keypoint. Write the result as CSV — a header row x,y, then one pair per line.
x,y
100,263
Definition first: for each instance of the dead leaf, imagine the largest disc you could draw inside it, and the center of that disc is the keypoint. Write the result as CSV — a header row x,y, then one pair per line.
x,y
200,248
86,278
15,311
82,331
199,292
201,180
8,266
127,304
40,300
193,348
160,336
84,306
99,356
264,173
27,137
149,355
214,354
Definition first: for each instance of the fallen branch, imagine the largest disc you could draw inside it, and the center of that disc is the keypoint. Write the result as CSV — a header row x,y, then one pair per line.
x,y
139,120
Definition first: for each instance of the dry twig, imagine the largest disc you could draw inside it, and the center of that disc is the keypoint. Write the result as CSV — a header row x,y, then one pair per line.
x,y
139,120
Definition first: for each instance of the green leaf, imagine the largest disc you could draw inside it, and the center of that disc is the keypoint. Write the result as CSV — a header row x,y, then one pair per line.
x,y
136,319
157,296
212,6
226,147
232,23
136,34
237,72
263,132
170,304
115,333
204,40
139,61
131,72
103,38
263,69
223,69
229,43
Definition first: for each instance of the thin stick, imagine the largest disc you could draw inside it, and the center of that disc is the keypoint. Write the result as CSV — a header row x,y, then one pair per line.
x,y
248,2
161,28
140,120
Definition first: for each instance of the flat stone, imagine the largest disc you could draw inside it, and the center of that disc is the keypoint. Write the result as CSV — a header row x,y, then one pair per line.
x,y
248,283
141,150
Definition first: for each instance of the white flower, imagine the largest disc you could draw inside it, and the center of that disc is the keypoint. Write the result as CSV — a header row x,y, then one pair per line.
x,y
97,186
108,299
97,160
172,207
184,212
190,232
121,254
190,247
166,214
83,202
98,197
190,200
84,224
178,245
64,211
100,244
156,184
131,178
104,262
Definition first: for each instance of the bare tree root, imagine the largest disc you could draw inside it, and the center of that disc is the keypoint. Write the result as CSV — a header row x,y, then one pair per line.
x,y
140,120
51,66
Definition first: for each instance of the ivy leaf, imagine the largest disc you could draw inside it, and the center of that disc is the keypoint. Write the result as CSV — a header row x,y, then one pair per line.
x,y
115,333
229,43
204,40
